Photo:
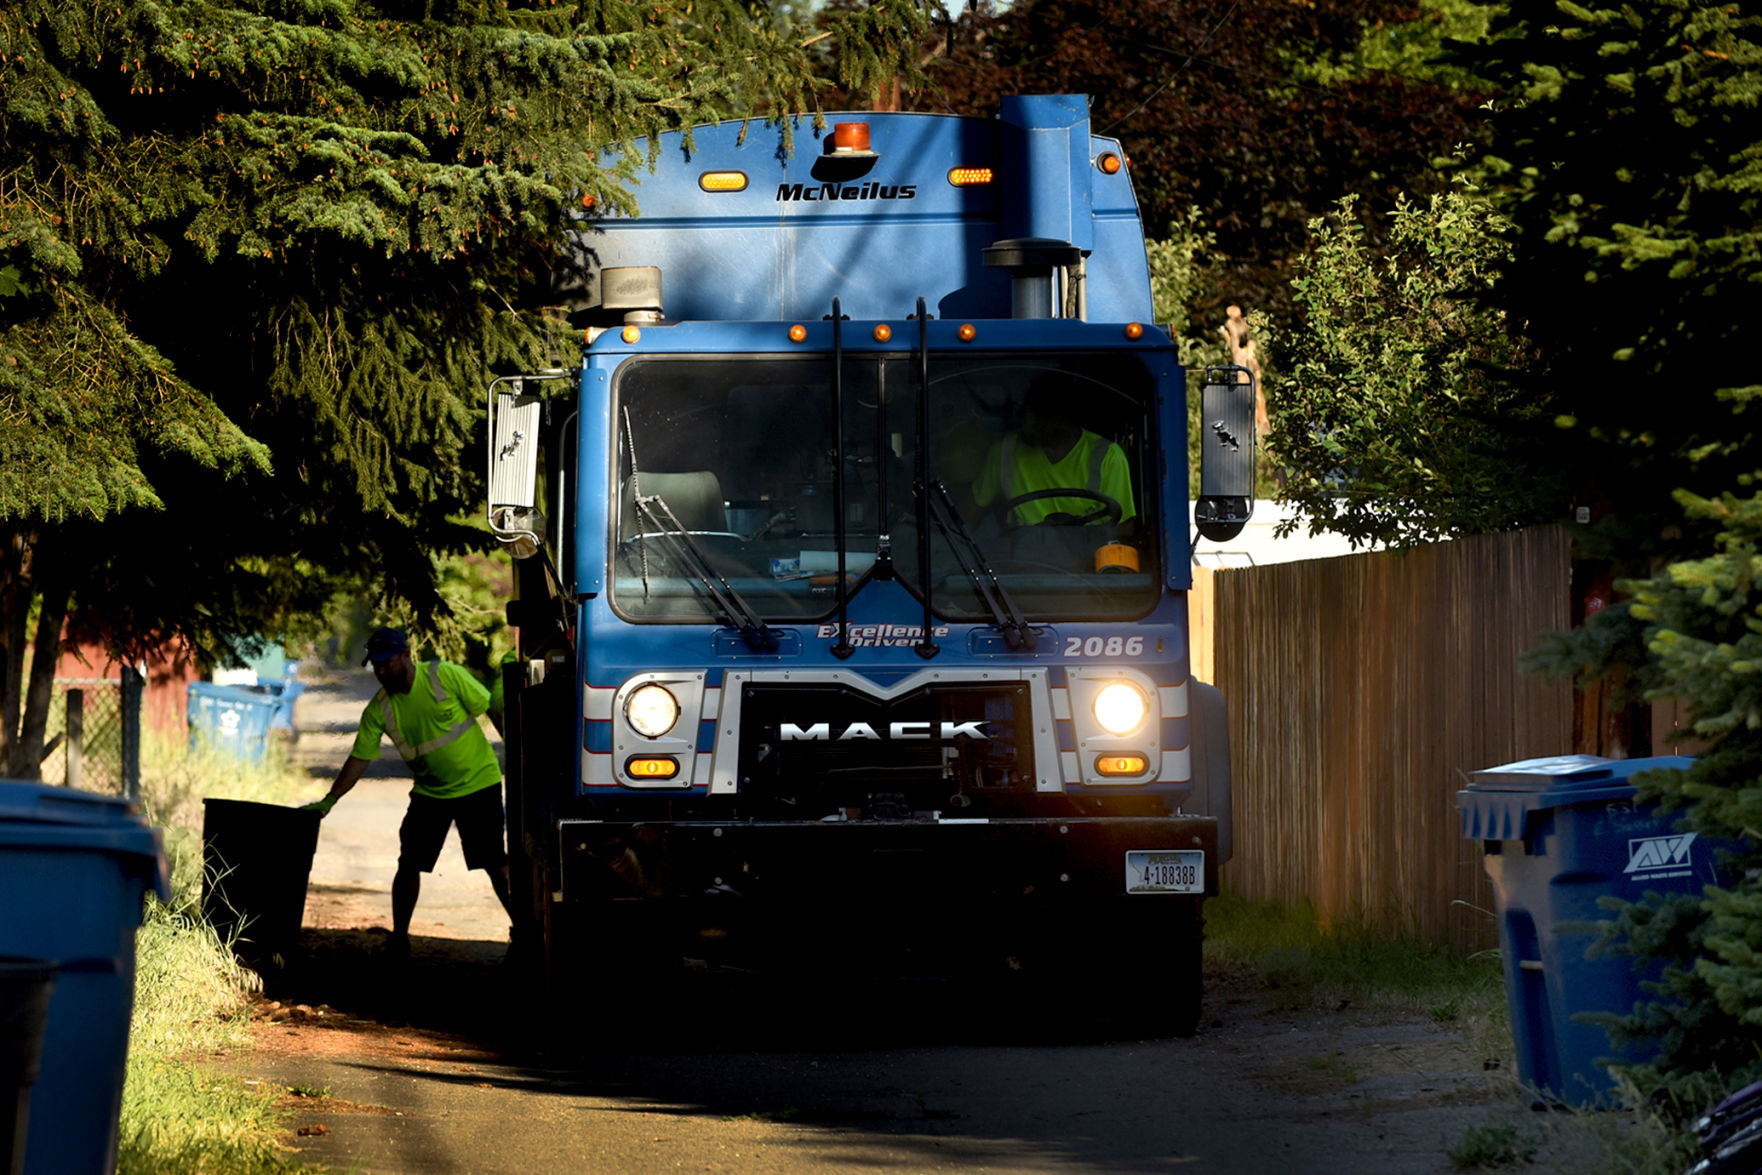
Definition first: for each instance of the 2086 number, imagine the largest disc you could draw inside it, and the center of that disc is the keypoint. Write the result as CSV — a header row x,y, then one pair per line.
x,y
1104,646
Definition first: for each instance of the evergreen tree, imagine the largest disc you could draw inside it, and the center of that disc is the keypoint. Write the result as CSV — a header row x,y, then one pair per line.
x,y
259,259
1702,622
1627,152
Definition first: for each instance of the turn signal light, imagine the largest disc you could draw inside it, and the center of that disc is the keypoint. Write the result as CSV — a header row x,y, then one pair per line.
x,y
1133,764
967,177
659,767
968,332
1109,163
1134,330
883,332
798,333
722,181
630,334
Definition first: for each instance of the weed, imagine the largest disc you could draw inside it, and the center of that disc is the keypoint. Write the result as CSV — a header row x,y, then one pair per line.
x,y
785,1115
1492,1146
302,1089
1307,964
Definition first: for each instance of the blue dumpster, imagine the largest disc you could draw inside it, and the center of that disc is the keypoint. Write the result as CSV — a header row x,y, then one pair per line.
x,y
1559,834
74,868
232,718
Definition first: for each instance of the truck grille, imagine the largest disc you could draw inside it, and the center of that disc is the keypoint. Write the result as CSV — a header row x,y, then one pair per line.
x,y
942,747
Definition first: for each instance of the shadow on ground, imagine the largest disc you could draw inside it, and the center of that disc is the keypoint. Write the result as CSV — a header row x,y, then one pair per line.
x,y
472,989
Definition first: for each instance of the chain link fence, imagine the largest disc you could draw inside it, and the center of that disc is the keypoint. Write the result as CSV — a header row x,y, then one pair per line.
x,y
93,736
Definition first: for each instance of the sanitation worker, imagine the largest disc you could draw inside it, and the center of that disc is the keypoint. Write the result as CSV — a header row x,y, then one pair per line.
x,y
1051,451
429,711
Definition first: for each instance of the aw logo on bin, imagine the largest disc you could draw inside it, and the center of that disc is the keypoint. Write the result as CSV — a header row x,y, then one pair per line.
x,y
1651,857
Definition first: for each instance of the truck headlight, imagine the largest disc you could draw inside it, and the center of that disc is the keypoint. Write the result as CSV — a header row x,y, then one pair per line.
x,y
1120,707
651,710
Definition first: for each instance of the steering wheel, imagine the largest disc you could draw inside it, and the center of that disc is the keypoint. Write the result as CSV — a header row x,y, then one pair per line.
x,y
1105,507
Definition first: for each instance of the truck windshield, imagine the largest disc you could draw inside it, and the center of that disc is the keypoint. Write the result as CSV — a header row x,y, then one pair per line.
x,y
1045,459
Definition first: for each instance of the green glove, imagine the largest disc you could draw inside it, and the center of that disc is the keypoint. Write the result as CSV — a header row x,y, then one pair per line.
x,y
322,807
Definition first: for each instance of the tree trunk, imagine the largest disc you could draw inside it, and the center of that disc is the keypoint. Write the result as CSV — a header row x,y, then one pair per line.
x,y
15,607
24,705
45,652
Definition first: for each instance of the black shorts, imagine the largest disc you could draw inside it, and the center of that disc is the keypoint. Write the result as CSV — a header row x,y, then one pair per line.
x,y
479,817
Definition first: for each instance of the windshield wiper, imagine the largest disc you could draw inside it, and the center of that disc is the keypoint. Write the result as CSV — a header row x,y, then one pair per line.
x,y
1004,613
842,648
760,637
926,647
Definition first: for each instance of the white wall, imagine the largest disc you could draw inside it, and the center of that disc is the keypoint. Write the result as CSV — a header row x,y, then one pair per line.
x,y
1256,546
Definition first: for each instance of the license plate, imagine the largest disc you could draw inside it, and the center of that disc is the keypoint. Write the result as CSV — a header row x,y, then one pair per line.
x,y
1165,870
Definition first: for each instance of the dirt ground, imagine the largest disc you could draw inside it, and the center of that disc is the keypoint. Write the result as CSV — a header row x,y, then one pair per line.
x,y
451,1063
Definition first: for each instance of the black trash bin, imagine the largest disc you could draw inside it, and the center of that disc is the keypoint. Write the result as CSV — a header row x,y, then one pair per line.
x,y
25,987
256,859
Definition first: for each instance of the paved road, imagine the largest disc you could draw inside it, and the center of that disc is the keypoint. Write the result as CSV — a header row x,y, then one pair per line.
x,y
450,1064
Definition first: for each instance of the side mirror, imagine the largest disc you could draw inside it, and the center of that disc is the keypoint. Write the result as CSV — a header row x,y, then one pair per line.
x,y
1226,453
515,420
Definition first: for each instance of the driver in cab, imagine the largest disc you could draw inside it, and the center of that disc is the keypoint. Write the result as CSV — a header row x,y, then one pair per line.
x,y
1049,452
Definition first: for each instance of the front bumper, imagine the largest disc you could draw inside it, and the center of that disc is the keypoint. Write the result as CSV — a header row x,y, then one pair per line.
x,y
1055,861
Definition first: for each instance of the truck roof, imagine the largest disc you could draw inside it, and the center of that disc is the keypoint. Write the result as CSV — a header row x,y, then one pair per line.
x,y
743,229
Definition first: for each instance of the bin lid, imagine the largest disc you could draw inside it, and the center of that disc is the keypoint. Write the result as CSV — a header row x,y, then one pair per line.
x,y
241,695
1497,803
33,815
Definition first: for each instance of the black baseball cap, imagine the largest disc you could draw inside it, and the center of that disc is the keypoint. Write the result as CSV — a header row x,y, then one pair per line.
x,y
384,643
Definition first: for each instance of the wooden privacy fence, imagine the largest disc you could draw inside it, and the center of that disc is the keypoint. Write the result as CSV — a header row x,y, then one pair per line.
x,y
1361,690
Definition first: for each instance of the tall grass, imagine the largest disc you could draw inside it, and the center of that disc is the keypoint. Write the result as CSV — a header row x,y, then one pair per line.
x,y
179,1113
1305,963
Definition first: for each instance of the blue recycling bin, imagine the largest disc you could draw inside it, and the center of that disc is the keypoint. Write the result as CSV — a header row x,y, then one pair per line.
x,y
232,718
74,868
1559,834
283,694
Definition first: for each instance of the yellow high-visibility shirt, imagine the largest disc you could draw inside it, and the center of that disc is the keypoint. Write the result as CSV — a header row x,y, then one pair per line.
x,y
434,727
1093,463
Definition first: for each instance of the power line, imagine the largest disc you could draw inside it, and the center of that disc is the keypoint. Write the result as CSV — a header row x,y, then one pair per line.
x,y
1203,41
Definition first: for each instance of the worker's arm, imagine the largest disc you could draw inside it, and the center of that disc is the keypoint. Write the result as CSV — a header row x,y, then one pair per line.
x,y
354,768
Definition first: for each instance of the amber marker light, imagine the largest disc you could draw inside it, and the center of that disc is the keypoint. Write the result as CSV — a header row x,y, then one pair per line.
x,y
967,332
630,334
658,767
1118,765
883,332
851,139
1109,163
798,333
1134,330
722,181
967,177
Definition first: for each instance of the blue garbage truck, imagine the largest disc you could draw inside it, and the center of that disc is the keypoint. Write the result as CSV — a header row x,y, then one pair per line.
x,y
852,570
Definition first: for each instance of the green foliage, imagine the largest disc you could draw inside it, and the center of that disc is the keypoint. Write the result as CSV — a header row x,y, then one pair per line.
x,y
1393,424
1628,156
1182,269
1413,48
1310,965
1703,626
1496,1145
